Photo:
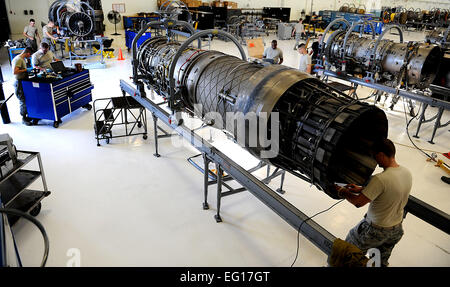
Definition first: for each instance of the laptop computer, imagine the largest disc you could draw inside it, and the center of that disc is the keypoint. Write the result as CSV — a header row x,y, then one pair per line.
x,y
58,67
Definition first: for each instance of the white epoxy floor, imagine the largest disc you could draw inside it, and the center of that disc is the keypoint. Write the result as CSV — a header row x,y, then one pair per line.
x,y
120,206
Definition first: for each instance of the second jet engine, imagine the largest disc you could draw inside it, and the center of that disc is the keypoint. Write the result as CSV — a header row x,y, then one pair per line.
x,y
410,65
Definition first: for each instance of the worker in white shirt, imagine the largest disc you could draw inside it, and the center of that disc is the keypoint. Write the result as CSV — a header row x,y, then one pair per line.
x,y
299,32
305,59
273,54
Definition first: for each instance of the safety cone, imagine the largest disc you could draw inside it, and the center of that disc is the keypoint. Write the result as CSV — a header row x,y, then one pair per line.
x,y
120,58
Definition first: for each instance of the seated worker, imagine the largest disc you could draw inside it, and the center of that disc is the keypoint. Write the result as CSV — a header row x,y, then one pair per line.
x,y
47,34
305,65
273,54
19,69
43,57
31,33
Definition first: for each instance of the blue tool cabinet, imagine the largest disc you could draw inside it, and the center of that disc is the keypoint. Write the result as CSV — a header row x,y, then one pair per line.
x,y
378,26
13,52
129,37
53,100
328,16
130,22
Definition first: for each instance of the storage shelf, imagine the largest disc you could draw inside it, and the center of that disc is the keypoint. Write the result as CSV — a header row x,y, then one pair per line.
x,y
24,157
11,188
26,201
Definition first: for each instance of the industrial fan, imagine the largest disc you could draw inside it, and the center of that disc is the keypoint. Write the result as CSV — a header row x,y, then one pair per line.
x,y
114,17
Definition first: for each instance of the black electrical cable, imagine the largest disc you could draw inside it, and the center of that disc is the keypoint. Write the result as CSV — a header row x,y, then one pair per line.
x,y
410,139
412,147
41,228
368,97
4,103
299,228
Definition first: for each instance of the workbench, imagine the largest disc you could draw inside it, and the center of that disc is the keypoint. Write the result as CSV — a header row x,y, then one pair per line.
x,y
52,99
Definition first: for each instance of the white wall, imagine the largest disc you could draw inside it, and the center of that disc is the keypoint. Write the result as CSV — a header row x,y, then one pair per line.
x,y
298,5
422,4
131,7
18,20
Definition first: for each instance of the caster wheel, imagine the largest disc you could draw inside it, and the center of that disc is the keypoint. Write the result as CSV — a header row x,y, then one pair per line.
x,y
145,137
139,125
98,144
35,211
55,124
107,141
88,107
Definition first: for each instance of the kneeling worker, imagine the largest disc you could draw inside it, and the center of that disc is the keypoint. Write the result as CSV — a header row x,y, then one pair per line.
x,y
388,194
43,57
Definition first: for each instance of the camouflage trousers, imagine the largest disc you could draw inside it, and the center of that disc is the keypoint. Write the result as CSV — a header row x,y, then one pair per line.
x,y
32,44
298,37
21,96
366,236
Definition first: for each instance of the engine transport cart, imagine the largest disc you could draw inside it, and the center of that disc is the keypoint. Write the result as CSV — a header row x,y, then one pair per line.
x,y
116,112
